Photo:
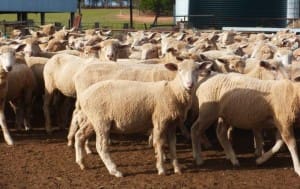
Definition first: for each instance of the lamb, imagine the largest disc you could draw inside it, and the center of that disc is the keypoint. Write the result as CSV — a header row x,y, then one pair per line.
x,y
144,111
93,73
109,49
144,52
7,60
247,103
58,73
21,86
32,49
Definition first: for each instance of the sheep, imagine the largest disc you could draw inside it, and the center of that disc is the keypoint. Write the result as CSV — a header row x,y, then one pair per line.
x,y
109,49
227,63
58,73
32,49
247,103
36,64
7,60
21,86
146,51
264,70
101,102
270,69
92,73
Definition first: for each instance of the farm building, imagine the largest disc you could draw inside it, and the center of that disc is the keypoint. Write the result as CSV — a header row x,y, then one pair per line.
x,y
38,6
236,13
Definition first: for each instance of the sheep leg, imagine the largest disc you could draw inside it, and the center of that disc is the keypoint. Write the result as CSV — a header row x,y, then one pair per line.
x,y
195,134
3,124
79,141
150,139
102,137
47,101
288,137
265,156
198,130
158,146
258,142
172,147
73,128
81,137
16,109
65,109
229,133
28,110
222,129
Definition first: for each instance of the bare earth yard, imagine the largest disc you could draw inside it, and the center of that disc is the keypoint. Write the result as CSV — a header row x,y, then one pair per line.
x,y
41,161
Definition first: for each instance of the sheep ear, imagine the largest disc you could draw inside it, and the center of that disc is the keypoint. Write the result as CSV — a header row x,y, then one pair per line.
x,y
171,50
297,79
264,64
171,66
96,47
121,46
204,65
179,58
152,35
18,47
221,61
203,57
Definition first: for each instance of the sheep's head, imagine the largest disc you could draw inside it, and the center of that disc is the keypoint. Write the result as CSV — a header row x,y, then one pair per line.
x,y
188,72
110,48
284,55
32,47
232,63
273,70
149,51
7,58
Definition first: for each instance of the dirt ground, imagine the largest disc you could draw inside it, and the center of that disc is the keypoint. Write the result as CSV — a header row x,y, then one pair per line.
x,y
41,161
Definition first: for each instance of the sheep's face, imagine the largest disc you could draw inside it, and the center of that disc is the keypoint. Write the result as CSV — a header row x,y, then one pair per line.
x,y
283,55
109,50
188,72
7,58
32,48
149,52
274,70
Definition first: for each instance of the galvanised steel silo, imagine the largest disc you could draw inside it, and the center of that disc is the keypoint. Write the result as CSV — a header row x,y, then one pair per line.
x,y
239,13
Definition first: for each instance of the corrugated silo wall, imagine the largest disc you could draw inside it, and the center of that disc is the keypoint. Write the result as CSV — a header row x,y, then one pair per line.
x,y
250,13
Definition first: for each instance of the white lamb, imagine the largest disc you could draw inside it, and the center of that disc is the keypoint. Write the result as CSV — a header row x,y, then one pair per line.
x,y
247,103
7,60
132,107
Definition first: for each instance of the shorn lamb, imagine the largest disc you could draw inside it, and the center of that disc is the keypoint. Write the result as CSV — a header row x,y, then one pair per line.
x,y
124,106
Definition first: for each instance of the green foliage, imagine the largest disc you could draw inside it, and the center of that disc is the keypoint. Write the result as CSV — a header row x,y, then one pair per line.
x,y
162,6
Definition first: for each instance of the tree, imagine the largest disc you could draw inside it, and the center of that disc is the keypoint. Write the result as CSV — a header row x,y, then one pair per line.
x,y
156,6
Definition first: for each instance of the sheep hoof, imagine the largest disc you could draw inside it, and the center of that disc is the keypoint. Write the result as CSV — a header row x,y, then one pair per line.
x,y
70,143
8,140
199,162
260,161
117,173
236,164
162,172
178,171
297,171
10,143
88,151
82,167
258,153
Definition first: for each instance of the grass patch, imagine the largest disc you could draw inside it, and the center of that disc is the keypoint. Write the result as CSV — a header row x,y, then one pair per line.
x,y
112,18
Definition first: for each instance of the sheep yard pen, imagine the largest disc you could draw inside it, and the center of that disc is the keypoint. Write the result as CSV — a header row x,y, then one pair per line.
x,y
40,160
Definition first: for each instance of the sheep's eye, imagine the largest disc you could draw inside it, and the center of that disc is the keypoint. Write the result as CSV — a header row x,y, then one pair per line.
x,y
273,68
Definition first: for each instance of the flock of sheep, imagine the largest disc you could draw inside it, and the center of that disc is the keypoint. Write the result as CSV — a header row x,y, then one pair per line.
x,y
151,82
